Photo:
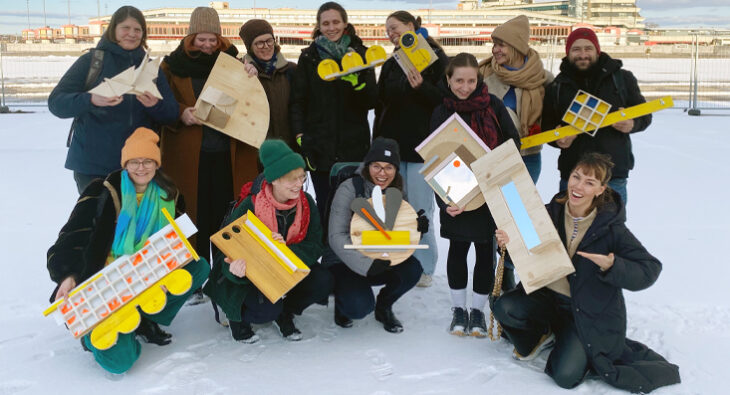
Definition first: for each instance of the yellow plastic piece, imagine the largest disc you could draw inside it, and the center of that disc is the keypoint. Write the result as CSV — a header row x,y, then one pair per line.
x,y
569,117
603,108
397,237
632,112
375,55
328,68
350,61
281,247
151,301
581,98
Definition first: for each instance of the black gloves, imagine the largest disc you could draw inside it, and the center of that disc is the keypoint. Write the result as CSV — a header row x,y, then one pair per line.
x,y
379,266
422,221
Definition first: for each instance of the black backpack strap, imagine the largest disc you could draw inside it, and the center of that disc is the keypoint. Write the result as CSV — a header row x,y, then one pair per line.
x,y
97,60
618,81
359,183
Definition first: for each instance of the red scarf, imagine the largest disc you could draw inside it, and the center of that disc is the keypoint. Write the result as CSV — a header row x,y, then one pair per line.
x,y
265,207
483,119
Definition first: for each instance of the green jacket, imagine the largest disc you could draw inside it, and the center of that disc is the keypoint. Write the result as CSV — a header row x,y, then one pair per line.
x,y
229,291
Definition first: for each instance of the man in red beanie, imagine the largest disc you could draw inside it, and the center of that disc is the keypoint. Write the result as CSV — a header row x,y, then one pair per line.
x,y
586,67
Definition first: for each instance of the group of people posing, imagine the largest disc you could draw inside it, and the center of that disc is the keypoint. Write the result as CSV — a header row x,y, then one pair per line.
x,y
124,177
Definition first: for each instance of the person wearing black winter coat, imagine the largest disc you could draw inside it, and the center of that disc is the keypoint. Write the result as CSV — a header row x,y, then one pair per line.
x,y
330,117
486,115
405,105
606,79
589,326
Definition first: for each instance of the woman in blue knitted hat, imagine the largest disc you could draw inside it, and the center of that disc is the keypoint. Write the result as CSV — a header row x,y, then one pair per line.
x,y
279,201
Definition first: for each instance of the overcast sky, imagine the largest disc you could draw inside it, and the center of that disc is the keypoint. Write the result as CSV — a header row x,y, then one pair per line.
x,y
14,14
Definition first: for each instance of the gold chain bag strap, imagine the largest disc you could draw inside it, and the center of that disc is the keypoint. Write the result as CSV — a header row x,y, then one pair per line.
x,y
496,292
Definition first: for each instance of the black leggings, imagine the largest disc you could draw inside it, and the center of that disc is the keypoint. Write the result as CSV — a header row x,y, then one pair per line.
x,y
458,272
215,192
525,318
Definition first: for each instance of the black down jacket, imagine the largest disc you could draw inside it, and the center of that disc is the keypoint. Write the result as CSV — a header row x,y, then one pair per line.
x,y
598,306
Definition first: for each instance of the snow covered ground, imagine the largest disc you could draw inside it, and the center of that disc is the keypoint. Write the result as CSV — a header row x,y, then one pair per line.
x,y
677,208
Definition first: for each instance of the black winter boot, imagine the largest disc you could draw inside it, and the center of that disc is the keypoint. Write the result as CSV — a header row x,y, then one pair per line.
x,y
342,320
152,333
285,322
242,332
459,322
390,322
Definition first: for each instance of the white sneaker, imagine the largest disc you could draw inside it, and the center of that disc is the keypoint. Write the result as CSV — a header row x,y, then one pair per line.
x,y
425,281
546,341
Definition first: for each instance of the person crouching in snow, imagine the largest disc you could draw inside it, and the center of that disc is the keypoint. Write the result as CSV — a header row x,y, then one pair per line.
x,y
588,328
280,203
355,273
114,217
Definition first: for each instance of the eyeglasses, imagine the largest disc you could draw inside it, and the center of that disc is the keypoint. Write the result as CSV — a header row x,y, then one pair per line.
x,y
135,164
296,179
264,43
387,169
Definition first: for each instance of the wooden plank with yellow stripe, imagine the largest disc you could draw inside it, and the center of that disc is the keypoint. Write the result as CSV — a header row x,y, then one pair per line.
x,y
621,115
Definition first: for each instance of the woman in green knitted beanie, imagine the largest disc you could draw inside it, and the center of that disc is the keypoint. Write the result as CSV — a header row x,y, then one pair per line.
x,y
279,201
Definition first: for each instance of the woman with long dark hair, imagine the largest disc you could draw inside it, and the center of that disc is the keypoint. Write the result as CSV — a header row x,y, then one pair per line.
x,y
468,96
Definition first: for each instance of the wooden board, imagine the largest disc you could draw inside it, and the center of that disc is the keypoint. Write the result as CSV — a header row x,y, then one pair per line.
x,y
249,120
263,267
454,135
406,220
546,261
632,112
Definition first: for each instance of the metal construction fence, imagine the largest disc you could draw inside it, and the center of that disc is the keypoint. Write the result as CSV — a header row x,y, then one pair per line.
x,y
696,75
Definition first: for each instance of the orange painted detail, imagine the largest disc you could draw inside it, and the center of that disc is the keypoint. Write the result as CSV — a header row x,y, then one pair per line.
x,y
457,163
76,334
178,246
146,279
145,251
65,308
159,260
89,289
137,259
129,280
171,235
172,264
166,255
85,311
114,304
71,320
146,243
125,298
187,255
456,129
104,314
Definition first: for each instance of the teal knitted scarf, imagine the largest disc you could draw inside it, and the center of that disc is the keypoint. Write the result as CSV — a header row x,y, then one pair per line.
x,y
136,223
332,49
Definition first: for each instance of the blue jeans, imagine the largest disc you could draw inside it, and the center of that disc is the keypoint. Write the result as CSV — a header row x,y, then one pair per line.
x,y
421,196
534,165
617,184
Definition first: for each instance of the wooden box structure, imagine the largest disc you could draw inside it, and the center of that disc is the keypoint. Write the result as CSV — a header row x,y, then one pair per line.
x,y
454,138
234,103
586,112
414,52
405,225
270,265
106,303
535,247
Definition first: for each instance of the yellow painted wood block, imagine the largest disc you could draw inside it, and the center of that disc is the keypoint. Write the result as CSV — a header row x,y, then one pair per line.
x,y
397,237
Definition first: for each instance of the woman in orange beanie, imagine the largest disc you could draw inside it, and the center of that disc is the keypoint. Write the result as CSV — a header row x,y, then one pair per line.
x,y
114,217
